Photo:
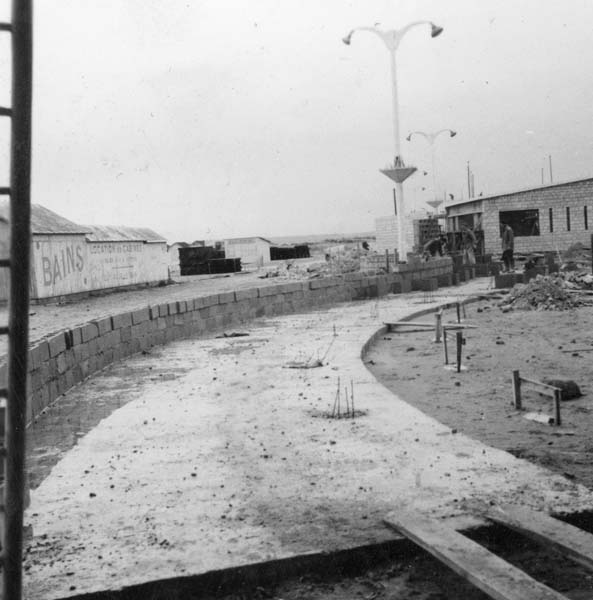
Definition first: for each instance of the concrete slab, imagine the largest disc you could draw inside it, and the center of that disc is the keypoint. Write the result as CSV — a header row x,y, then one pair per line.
x,y
229,461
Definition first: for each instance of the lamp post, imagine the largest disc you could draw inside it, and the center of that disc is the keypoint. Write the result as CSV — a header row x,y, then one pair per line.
x,y
431,138
399,173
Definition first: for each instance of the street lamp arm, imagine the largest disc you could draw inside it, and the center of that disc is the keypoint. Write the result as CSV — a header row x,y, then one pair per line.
x,y
424,135
399,33
431,137
393,37
387,37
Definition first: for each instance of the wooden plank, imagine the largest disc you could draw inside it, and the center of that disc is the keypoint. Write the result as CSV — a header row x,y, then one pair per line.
x,y
539,418
546,389
490,573
554,534
410,324
430,325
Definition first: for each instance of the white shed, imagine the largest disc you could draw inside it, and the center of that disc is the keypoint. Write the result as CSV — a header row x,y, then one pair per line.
x,y
253,251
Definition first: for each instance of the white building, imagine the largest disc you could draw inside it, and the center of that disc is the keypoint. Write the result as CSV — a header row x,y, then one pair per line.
x,y
254,252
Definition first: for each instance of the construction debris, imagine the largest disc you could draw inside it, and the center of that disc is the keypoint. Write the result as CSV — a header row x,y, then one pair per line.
x,y
545,292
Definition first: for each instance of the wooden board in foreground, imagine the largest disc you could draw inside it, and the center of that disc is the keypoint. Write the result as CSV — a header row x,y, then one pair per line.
x,y
554,534
494,576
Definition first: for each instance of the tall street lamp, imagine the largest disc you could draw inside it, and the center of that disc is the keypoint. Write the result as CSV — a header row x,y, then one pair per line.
x,y
399,172
431,138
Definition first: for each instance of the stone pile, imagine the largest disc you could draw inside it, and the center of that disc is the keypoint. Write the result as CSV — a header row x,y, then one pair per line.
x,y
545,292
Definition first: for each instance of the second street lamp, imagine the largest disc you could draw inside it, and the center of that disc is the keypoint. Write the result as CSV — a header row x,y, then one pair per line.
x,y
431,138
399,172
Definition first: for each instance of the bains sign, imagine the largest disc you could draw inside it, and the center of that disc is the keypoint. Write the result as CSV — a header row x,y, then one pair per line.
x,y
62,263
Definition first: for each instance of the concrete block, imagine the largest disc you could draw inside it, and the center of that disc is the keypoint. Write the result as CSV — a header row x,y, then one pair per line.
x,y
141,315
226,297
173,308
57,344
103,325
76,335
121,320
205,301
39,354
246,294
270,290
507,280
163,310
126,333
89,332
181,306
445,280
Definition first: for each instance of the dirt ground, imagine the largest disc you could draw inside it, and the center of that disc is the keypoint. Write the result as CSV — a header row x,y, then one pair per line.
x,y
478,401
408,577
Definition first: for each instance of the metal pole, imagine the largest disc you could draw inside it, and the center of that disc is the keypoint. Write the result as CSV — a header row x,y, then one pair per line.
x,y
469,189
399,188
550,160
20,247
434,177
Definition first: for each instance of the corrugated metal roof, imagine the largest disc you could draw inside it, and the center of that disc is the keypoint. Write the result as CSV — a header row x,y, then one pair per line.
x,y
112,233
45,221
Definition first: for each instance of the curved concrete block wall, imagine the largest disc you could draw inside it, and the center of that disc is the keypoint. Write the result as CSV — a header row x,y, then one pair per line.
x,y
66,358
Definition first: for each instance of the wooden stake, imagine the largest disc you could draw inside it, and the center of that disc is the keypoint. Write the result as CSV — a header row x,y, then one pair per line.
x,y
517,390
458,308
352,396
459,336
438,328
557,399
445,346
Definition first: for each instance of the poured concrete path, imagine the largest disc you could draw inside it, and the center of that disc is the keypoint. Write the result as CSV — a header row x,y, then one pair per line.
x,y
225,460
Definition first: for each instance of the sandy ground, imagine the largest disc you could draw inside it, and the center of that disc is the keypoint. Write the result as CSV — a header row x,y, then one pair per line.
x,y
478,401
219,455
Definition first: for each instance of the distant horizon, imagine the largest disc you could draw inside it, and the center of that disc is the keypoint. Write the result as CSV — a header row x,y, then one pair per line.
x,y
289,239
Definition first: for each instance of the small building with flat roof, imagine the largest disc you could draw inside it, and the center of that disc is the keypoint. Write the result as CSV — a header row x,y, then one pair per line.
x,y
549,217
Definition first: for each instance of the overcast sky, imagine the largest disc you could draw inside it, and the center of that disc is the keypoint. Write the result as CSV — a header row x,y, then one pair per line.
x,y
212,118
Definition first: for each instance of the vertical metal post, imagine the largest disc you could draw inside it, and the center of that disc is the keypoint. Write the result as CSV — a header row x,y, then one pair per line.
x,y
387,261
469,188
592,253
458,309
20,246
517,390
445,345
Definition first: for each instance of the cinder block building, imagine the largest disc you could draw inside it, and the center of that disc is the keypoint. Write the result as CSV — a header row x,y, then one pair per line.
x,y
545,218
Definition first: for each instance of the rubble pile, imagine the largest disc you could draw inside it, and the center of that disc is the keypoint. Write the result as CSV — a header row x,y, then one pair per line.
x,y
545,292
578,280
331,265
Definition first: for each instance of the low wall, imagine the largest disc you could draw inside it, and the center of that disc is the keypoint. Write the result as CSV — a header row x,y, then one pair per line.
x,y
62,360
